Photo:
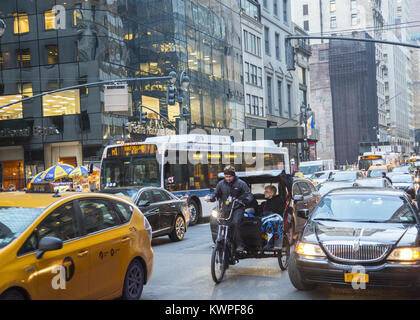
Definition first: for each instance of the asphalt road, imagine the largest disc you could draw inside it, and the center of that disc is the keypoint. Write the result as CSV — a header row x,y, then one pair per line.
x,y
182,272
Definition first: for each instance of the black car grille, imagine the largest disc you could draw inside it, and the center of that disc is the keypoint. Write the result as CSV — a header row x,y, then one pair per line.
x,y
357,252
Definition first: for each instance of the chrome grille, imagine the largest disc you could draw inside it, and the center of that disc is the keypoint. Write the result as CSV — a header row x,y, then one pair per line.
x,y
357,251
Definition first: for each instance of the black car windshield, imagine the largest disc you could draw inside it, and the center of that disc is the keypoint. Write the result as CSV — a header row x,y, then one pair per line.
x,y
324,188
406,178
14,221
123,192
370,183
364,208
343,176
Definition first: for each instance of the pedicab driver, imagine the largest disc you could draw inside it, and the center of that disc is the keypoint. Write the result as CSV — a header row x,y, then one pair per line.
x,y
232,188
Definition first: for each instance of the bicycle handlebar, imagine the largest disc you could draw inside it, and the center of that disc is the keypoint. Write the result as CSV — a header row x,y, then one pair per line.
x,y
231,210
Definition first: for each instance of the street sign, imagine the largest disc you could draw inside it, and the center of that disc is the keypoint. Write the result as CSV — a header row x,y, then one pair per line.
x,y
117,98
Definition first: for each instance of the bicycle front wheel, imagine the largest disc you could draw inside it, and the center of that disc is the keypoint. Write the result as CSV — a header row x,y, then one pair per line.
x,y
218,263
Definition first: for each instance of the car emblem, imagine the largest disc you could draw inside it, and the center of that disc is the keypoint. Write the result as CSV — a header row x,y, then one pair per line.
x,y
356,246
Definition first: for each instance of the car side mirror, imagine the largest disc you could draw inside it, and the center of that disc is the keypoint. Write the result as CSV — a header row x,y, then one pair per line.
x,y
144,203
48,244
303,213
211,189
298,197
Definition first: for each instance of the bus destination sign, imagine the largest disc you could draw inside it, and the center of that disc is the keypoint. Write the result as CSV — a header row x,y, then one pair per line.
x,y
132,150
371,157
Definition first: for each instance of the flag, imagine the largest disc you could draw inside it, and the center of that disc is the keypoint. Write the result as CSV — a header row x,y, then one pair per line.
x,y
311,122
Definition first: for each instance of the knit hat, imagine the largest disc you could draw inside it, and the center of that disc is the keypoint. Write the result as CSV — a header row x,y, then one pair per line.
x,y
229,170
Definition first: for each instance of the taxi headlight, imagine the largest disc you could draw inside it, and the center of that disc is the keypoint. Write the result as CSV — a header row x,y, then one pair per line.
x,y
214,213
148,228
309,249
405,254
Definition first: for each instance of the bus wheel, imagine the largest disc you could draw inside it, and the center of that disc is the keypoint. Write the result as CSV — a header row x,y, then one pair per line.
x,y
194,212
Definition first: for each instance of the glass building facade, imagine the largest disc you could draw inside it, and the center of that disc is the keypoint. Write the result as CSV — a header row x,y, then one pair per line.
x,y
52,44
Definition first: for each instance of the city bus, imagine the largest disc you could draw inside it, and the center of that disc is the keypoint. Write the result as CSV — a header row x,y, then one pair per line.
x,y
369,159
186,165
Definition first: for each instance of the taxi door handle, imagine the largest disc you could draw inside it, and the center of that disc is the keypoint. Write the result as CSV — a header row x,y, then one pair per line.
x,y
29,269
125,240
82,253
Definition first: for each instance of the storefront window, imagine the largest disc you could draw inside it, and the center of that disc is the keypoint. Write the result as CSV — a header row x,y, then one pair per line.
x,y
21,23
62,103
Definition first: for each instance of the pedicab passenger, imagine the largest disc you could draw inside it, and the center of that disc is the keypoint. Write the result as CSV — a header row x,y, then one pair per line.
x,y
272,221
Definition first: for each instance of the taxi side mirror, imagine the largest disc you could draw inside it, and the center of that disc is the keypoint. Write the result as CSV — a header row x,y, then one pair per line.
x,y
48,244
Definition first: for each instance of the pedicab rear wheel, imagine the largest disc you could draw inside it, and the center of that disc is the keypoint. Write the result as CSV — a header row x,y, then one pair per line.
x,y
284,253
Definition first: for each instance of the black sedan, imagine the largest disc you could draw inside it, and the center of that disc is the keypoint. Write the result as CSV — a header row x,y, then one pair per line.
x,y
358,236
167,214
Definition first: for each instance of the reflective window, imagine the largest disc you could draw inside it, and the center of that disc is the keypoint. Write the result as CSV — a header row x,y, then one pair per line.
x,y
21,23
97,215
23,57
52,54
125,210
14,221
61,224
49,20
61,103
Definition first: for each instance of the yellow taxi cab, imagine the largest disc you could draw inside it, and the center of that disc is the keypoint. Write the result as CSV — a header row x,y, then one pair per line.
x,y
377,170
72,245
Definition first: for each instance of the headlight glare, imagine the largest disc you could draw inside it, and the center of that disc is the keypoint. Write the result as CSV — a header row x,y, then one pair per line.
x,y
309,249
405,254
214,213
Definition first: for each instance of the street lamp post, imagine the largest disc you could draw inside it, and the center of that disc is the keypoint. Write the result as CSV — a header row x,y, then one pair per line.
x,y
183,84
305,110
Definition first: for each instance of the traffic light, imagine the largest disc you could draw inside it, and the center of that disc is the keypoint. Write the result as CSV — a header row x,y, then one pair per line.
x,y
143,117
171,95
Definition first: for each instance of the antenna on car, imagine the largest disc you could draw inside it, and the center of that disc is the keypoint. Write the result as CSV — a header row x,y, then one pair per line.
x,y
56,194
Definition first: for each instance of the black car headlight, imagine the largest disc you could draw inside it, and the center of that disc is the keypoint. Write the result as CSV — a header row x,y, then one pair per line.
x,y
405,254
309,249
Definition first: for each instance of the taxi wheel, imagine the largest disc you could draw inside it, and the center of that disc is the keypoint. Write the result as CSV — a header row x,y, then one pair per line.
x,y
12,295
178,232
134,281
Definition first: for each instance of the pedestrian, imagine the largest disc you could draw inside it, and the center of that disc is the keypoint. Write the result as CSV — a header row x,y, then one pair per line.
x,y
386,177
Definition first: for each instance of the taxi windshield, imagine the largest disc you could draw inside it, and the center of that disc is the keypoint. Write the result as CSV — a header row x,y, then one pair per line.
x,y
14,221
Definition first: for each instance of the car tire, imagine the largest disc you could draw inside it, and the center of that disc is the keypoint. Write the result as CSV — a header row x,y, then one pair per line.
x,y
295,276
291,230
12,294
134,281
179,229
194,212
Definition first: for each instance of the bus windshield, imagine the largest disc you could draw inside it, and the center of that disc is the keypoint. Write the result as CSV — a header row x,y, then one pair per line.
x,y
130,172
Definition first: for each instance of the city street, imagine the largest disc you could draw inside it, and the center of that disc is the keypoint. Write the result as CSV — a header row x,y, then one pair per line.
x,y
182,272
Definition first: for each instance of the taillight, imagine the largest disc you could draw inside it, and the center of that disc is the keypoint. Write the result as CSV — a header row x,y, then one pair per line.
x,y
148,228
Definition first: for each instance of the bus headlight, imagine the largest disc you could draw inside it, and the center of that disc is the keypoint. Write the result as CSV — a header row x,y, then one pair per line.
x,y
309,249
405,254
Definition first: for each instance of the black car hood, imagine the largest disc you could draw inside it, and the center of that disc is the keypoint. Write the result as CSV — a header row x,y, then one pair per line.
x,y
386,233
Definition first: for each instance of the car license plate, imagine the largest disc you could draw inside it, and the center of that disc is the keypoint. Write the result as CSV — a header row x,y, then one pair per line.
x,y
356,277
